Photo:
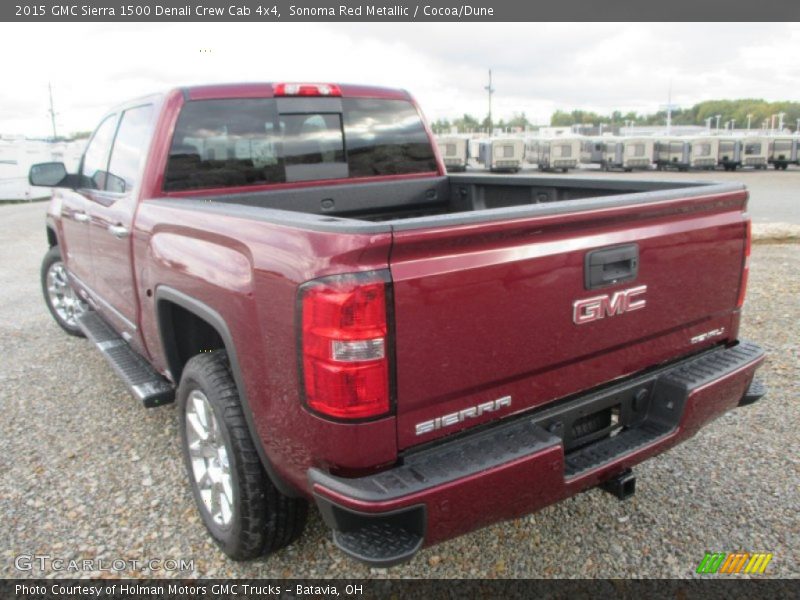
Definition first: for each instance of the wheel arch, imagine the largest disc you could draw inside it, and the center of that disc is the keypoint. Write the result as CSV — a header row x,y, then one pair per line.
x,y
169,304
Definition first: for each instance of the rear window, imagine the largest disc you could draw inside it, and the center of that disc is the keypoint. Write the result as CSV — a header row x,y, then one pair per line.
x,y
241,142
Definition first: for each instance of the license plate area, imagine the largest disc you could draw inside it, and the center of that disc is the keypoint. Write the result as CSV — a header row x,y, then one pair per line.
x,y
598,416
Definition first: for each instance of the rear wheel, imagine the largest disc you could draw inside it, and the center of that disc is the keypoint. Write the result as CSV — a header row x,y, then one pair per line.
x,y
62,300
242,509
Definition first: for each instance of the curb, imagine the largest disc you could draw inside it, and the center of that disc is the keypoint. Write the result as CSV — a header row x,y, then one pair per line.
x,y
776,233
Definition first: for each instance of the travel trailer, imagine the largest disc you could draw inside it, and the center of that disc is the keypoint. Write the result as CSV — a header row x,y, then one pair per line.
x,y
553,153
592,151
703,152
729,154
783,152
627,153
672,153
755,151
502,154
454,151
474,149
638,153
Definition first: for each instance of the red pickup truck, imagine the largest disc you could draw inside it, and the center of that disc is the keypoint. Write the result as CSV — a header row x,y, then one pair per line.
x,y
340,321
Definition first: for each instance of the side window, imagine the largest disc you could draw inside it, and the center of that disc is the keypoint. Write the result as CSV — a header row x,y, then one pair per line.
x,y
95,160
130,145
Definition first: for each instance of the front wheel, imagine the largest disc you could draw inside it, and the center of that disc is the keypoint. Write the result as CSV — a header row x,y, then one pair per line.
x,y
62,300
242,509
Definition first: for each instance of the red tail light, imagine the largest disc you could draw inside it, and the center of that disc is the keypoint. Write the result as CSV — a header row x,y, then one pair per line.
x,y
345,345
307,89
746,266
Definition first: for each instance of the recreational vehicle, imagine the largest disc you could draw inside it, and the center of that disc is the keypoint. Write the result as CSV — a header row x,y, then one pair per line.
x,y
703,153
553,153
592,151
474,149
755,152
502,154
783,152
454,151
627,153
729,154
638,153
672,153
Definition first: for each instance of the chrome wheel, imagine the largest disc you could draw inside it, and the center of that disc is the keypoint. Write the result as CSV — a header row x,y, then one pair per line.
x,y
209,458
65,301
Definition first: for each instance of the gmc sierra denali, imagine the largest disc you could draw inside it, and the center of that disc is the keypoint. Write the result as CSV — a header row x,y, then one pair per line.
x,y
342,322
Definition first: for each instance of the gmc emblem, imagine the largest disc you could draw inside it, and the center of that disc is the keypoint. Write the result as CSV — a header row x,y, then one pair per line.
x,y
600,307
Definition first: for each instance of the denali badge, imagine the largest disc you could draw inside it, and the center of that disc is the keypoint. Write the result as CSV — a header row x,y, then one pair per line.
x,y
599,307
462,415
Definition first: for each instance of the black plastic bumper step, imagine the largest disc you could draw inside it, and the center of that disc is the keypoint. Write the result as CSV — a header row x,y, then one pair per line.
x,y
142,380
611,448
379,543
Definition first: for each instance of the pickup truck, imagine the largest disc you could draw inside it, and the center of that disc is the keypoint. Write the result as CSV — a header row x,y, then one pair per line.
x,y
342,323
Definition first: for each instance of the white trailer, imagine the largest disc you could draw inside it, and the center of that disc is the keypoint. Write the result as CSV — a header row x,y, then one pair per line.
x,y
592,151
454,151
755,151
502,154
783,151
729,153
704,153
672,153
638,153
554,153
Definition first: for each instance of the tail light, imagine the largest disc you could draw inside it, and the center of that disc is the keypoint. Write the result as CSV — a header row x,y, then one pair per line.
x,y
345,345
746,265
307,89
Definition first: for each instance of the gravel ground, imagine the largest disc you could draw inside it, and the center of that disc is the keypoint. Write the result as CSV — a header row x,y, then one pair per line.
x,y
88,473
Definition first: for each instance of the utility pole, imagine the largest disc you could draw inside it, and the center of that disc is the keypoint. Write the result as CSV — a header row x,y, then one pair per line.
x,y
52,111
708,124
749,116
490,90
669,107
717,117
780,118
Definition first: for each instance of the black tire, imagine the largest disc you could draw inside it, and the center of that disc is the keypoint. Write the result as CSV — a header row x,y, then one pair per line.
x,y
53,257
263,519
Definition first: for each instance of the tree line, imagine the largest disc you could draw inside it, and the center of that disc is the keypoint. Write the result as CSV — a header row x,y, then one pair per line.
x,y
734,113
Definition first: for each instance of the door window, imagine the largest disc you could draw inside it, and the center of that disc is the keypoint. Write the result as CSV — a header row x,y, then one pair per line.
x,y
95,161
130,146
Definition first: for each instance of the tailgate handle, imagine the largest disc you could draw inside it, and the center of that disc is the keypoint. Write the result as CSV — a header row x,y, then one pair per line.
x,y
608,266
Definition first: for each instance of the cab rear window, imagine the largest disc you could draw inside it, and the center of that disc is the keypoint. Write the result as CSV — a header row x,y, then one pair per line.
x,y
244,142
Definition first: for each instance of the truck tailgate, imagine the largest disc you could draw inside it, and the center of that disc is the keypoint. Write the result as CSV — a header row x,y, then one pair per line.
x,y
485,312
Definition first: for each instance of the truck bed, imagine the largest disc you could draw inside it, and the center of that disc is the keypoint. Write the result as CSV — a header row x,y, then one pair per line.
x,y
491,297
448,200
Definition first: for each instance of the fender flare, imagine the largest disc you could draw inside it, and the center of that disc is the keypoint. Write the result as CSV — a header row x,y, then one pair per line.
x,y
215,320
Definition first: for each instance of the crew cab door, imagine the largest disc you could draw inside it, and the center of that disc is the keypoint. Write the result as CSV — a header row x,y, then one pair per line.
x,y
76,204
112,211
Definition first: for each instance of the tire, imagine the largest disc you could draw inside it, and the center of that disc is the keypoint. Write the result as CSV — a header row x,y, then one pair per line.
x,y
260,519
61,299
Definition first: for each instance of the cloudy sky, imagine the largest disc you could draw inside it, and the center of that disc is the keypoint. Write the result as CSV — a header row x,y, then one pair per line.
x,y
538,67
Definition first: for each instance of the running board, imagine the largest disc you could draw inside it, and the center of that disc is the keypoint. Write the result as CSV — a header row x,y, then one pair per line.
x,y
142,380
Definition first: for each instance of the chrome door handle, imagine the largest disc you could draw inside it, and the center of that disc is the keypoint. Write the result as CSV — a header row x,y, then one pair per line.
x,y
118,231
81,217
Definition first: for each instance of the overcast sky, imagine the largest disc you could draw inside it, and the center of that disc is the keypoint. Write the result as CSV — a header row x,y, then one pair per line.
x,y
538,67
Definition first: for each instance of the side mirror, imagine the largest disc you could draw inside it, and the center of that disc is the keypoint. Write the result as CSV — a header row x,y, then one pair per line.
x,y
52,174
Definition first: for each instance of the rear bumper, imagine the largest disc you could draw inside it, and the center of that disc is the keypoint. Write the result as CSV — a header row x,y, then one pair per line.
x,y
512,469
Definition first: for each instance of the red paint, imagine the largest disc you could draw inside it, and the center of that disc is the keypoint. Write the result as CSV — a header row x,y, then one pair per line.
x,y
528,484
480,311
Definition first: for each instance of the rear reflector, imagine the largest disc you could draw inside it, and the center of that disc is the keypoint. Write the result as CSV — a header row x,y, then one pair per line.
x,y
746,265
307,89
344,340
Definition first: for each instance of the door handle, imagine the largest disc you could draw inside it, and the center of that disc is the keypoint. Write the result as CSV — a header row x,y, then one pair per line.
x,y
118,231
609,266
81,217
